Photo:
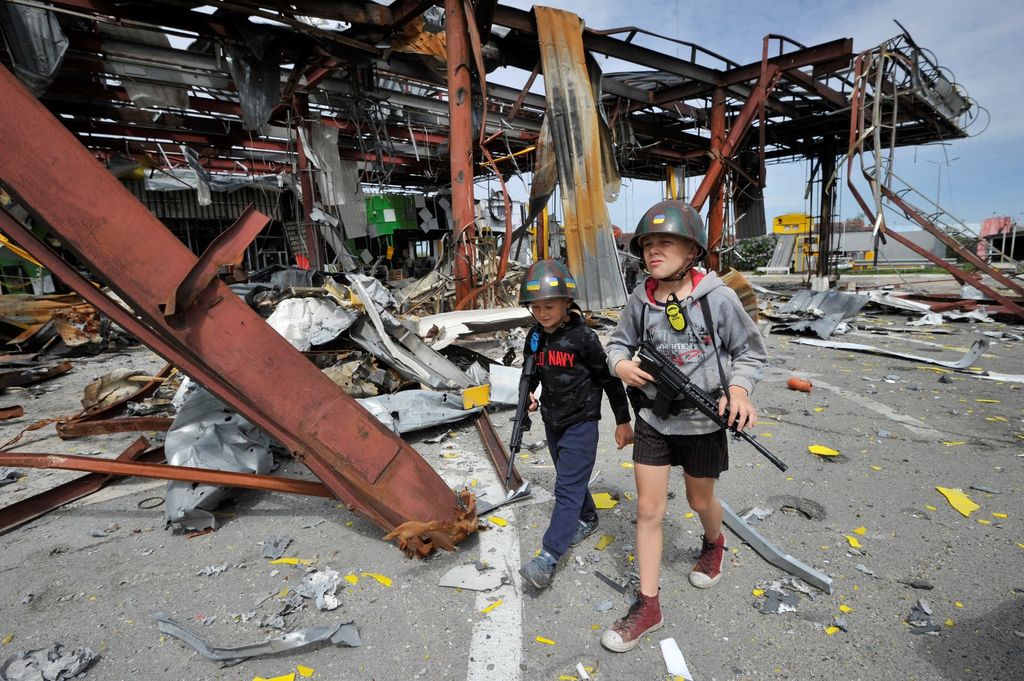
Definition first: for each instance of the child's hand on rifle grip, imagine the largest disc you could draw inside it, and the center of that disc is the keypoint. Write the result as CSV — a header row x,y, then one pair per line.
x,y
741,409
534,404
631,373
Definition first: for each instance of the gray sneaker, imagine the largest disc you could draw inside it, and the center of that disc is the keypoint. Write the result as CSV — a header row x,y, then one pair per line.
x,y
584,529
538,572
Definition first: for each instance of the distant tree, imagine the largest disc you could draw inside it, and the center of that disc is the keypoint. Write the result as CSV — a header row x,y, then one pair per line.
x,y
751,253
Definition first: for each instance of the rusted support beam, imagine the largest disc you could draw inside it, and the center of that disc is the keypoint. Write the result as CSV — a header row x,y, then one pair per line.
x,y
716,212
404,11
739,128
21,512
832,51
227,249
162,471
496,451
220,342
132,424
460,111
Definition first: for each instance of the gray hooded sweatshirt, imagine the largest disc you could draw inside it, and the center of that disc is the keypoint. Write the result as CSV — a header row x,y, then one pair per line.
x,y
739,345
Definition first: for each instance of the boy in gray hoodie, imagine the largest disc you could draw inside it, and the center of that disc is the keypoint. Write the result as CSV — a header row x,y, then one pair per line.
x,y
671,309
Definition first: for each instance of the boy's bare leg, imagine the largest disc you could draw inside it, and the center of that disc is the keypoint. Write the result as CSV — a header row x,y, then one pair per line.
x,y
700,494
652,501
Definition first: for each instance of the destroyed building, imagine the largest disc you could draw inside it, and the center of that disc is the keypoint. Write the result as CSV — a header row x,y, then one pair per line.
x,y
315,194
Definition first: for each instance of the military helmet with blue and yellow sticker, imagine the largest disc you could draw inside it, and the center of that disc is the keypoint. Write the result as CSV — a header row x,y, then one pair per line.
x,y
544,280
671,217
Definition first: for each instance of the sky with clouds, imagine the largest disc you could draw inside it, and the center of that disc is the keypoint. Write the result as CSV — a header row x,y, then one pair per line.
x,y
980,42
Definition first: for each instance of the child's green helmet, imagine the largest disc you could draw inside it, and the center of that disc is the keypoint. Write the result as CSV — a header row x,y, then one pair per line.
x,y
671,217
544,280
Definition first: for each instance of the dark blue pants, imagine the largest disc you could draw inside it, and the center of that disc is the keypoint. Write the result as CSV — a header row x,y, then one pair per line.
x,y
574,452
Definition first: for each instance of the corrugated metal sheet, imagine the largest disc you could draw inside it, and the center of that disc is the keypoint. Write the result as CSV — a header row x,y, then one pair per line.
x,y
224,206
573,120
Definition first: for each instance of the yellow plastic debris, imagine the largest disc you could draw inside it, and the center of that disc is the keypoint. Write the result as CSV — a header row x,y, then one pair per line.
x,y
286,677
283,593
853,541
987,401
472,483
860,530
843,607
958,604
758,592
999,419
954,443
984,521
292,561
628,495
450,455
352,579
1020,546
822,450
498,520
604,501
999,515
767,435
545,641
568,677
492,606
832,630
604,542
305,672
385,581
950,623
626,464
688,515
477,396
7,639
930,507
876,468
958,500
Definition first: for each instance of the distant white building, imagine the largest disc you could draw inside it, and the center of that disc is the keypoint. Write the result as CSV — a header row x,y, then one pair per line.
x,y
858,247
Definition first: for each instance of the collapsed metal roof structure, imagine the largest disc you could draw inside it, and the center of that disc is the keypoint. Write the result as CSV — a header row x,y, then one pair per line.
x,y
232,86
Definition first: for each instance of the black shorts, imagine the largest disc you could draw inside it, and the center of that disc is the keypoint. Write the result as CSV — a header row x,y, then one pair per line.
x,y
701,456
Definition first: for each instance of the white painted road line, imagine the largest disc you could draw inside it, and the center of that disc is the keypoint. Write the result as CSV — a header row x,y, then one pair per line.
x,y
496,648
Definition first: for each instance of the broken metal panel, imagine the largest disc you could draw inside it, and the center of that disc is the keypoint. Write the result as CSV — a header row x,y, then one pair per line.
x,y
218,341
142,94
834,306
410,410
344,633
977,349
576,132
306,322
205,434
35,42
772,554
257,75
545,172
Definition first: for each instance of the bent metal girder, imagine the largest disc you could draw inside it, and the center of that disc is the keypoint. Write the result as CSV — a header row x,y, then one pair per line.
x,y
215,337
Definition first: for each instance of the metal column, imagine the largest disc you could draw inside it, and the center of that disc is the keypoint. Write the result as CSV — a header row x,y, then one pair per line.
x,y
460,110
716,211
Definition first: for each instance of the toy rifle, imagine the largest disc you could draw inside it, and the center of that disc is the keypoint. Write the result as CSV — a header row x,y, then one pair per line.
x,y
521,421
673,384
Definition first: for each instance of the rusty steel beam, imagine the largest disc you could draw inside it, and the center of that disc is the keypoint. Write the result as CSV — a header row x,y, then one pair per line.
x,y
716,212
162,471
218,341
21,512
460,111
227,249
496,451
739,128
132,424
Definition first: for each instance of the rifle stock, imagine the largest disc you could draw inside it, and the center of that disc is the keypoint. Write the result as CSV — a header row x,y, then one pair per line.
x,y
674,384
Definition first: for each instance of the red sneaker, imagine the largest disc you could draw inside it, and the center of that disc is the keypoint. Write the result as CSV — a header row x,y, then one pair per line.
x,y
644,616
708,569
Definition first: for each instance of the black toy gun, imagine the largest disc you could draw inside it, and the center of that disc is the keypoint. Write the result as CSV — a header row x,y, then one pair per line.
x,y
673,384
521,421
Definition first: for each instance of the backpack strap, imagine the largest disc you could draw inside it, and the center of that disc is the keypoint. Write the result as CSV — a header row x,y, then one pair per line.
x,y
706,310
